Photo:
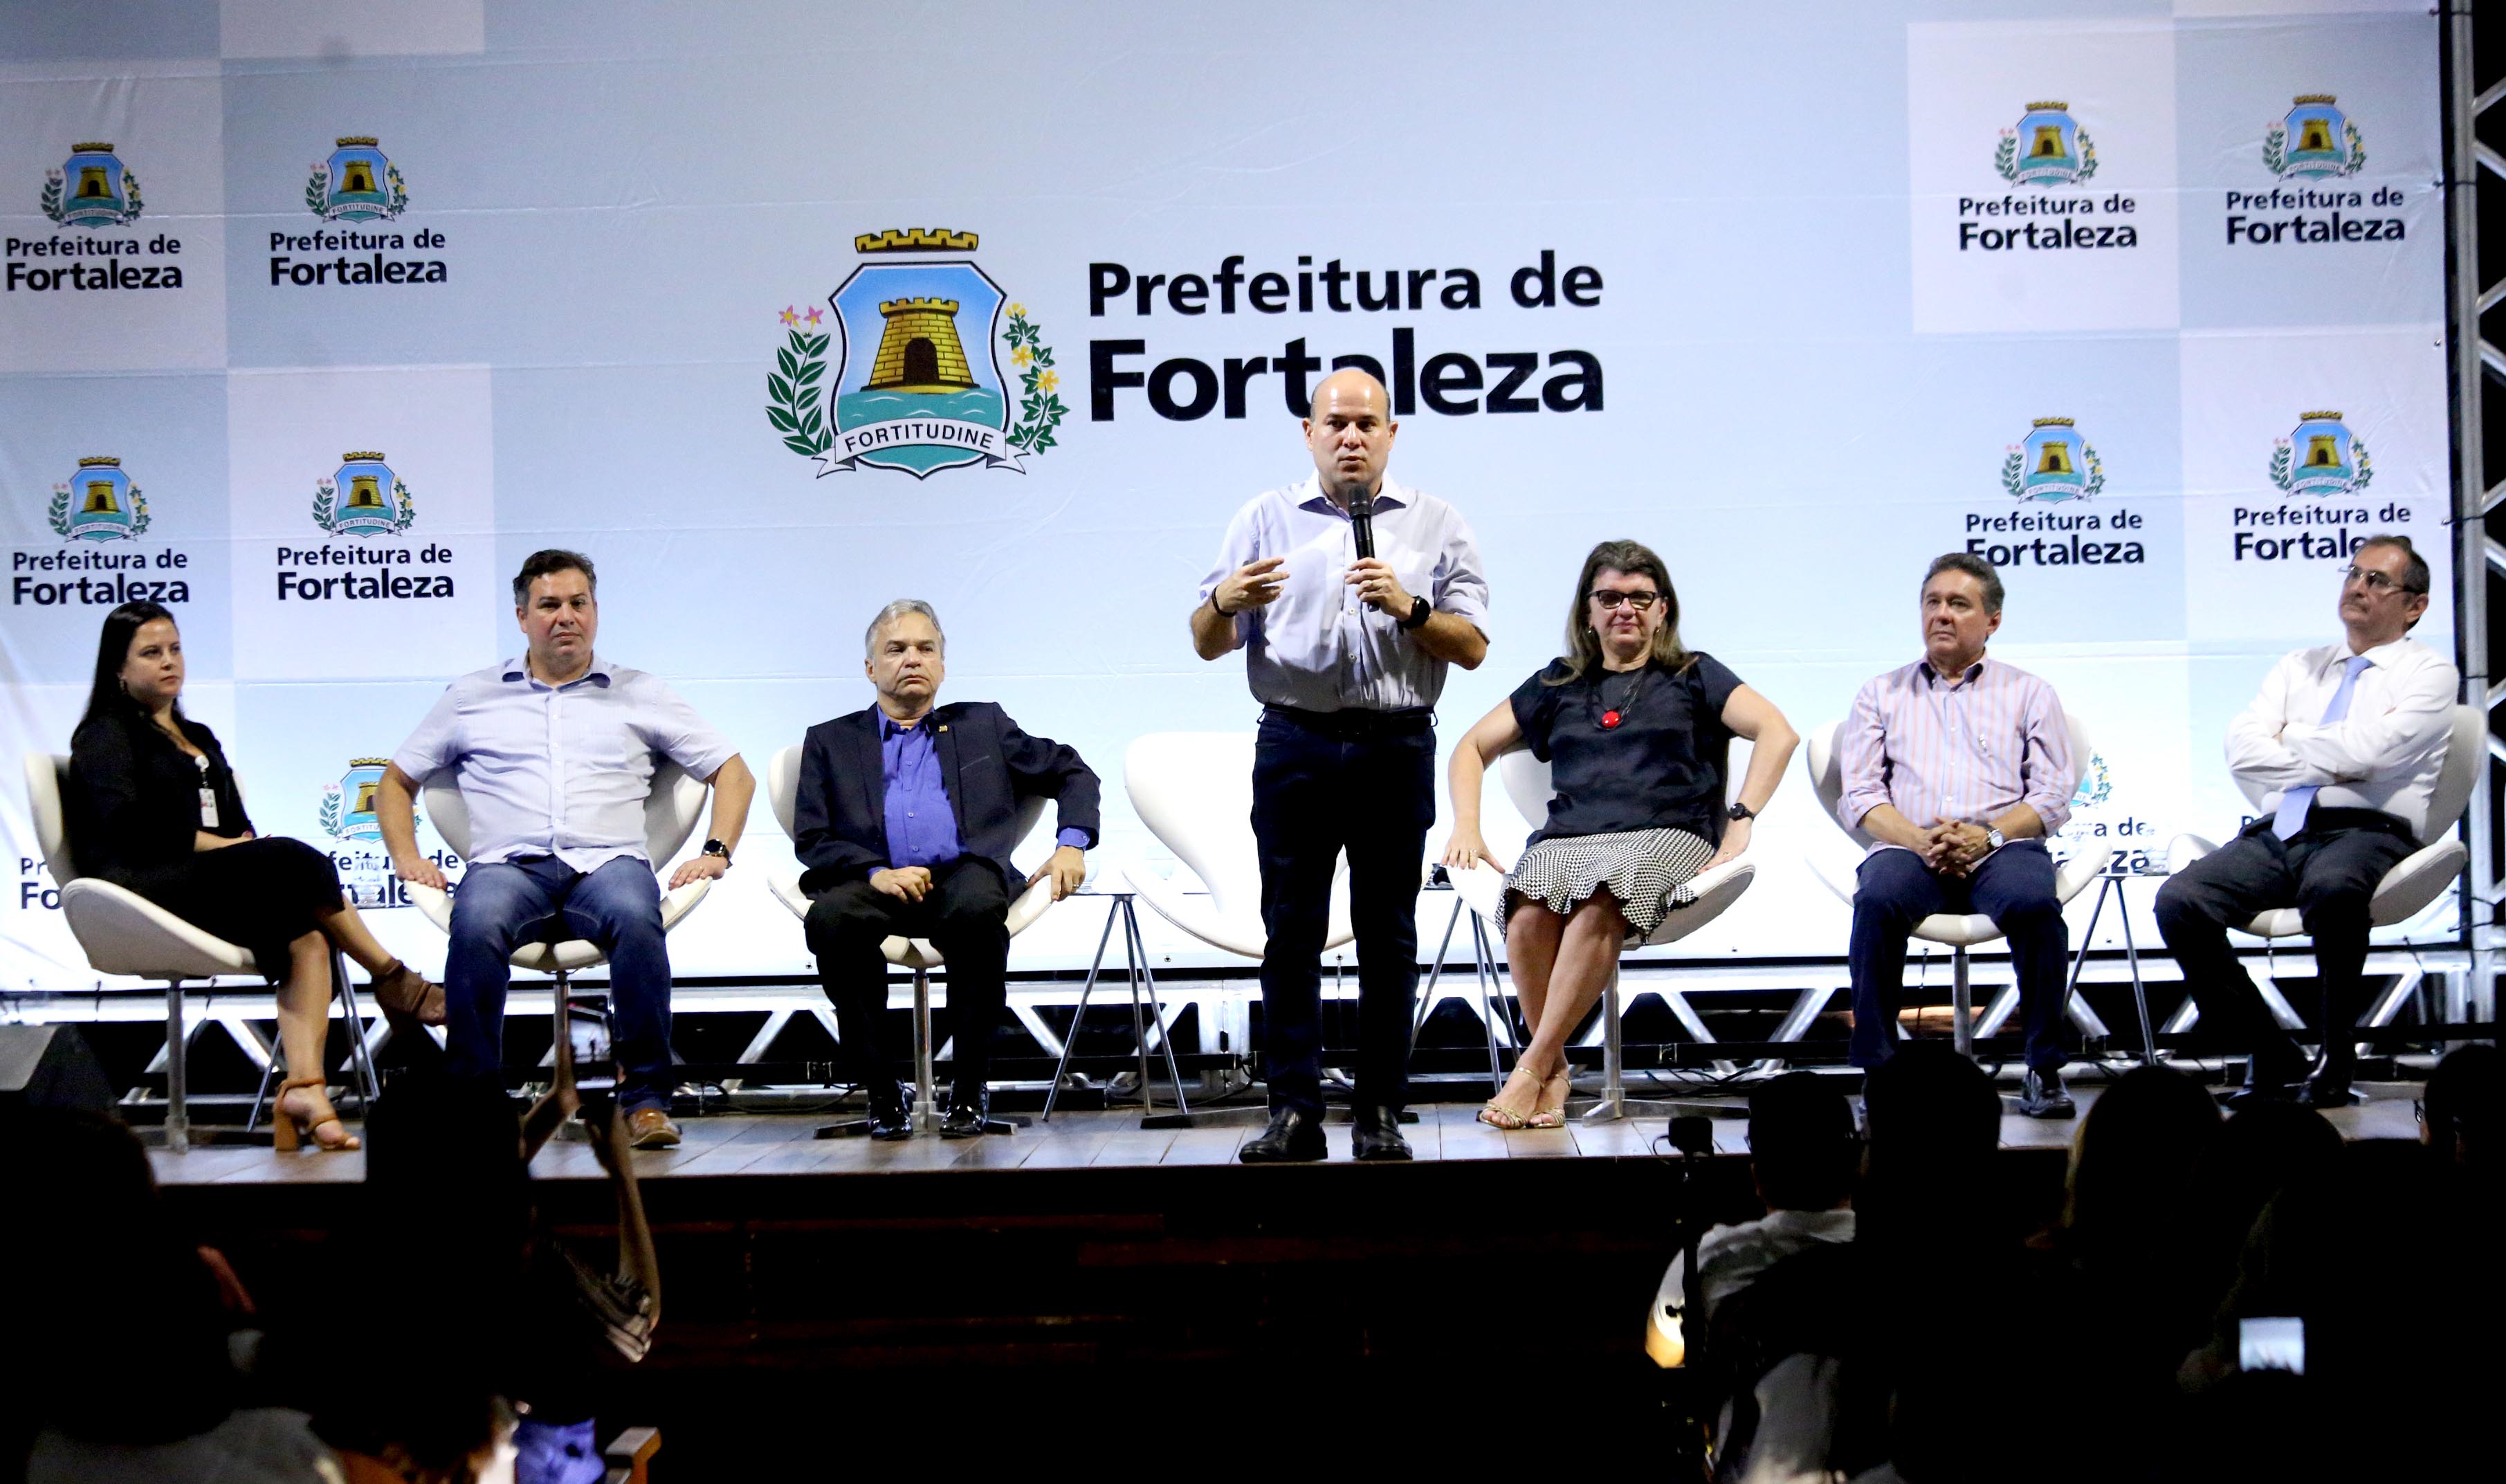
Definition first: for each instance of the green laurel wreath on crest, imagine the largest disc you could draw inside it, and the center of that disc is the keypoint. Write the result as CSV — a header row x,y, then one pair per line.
x,y
794,409
2005,157
317,189
397,201
330,807
138,512
61,512
2357,149
1040,411
2013,479
53,182
326,497
2365,466
2276,147
2283,461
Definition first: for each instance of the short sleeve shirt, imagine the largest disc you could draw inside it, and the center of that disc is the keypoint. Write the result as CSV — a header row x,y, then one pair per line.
x,y
559,772
1661,767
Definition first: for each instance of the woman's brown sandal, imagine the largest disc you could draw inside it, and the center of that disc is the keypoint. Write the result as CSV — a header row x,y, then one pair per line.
x,y
290,1127
402,992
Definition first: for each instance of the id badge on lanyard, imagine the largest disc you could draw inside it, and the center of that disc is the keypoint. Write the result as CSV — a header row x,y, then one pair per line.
x,y
208,795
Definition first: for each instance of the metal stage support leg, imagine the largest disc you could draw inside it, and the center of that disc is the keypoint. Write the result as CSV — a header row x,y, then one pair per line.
x,y
1961,1003
360,1062
1482,969
178,1134
1137,974
1614,1102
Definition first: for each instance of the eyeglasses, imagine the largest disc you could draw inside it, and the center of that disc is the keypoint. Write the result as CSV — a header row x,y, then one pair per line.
x,y
2375,581
1639,601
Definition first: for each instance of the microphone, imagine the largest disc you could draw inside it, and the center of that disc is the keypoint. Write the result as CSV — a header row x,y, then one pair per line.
x,y
1361,522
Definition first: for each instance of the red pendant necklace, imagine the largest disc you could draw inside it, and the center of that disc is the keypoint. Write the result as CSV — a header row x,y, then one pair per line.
x,y
1611,718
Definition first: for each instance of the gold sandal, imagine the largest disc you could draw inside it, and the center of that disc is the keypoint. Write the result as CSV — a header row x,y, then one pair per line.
x,y
289,1128
1546,1114
1495,1114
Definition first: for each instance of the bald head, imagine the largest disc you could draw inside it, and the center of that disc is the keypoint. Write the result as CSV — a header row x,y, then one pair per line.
x,y
1350,433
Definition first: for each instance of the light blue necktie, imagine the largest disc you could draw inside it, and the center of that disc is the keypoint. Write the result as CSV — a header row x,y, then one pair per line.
x,y
2294,802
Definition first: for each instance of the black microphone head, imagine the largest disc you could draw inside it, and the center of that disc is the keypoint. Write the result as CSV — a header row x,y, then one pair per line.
x,y
1361,519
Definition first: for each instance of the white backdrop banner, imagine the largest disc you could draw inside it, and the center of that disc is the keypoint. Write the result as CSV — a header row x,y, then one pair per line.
x,y
317,319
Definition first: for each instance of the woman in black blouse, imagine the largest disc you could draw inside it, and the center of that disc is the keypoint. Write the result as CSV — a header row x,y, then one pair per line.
x,y
1634,729
152,806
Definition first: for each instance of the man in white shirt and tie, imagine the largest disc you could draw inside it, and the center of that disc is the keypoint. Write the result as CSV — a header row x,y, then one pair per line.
x,y
2349,738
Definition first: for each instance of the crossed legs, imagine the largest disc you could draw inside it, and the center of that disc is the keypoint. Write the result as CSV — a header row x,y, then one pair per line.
x,y
1560,967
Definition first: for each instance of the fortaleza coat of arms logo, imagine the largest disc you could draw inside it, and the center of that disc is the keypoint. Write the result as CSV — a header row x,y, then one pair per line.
x,y
2321,457
100,504
2046,148
348,805
2053,462
356,183
2316,141
917,385
92,189
375,503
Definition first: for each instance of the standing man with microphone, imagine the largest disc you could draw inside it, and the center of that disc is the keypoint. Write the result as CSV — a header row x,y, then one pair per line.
x,y
1350,595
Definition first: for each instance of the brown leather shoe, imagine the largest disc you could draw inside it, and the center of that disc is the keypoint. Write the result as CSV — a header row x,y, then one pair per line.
x,y
651,1128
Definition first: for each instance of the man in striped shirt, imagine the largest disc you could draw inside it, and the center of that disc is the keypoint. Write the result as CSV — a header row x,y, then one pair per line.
x,y
1957,768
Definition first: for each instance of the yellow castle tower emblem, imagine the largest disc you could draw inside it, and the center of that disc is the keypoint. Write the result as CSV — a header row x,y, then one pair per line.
x,y
919,350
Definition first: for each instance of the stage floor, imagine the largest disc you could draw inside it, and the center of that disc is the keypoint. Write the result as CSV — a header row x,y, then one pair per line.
x,y
755,1145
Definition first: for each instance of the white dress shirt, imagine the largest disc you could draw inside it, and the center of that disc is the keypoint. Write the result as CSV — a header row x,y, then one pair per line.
x,y
559,772
2384,755
1318,648
1728,1258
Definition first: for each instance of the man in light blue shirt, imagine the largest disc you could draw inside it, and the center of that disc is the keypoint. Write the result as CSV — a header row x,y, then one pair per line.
x,y
1348,654
555,752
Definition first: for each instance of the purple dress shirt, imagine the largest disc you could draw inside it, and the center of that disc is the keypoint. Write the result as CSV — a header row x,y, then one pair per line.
x,y
1967,749
921,824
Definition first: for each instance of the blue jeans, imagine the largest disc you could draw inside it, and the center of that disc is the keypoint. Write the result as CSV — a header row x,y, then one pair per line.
x,y
618,908
2014,886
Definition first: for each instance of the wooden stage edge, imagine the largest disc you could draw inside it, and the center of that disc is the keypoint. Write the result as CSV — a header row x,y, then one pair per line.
x,y
783,1143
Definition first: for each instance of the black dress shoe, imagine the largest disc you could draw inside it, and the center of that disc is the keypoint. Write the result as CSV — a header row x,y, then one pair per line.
x,y
2270,1076
1293,1135
2042,1095
2328,1088
1379,1135
968,1111
889,1117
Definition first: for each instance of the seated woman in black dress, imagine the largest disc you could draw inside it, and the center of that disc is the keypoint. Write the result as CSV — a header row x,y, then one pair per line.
x,y
152,806
1634,729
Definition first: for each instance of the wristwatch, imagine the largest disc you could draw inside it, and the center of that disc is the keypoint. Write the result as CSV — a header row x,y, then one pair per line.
x,y
1992,838
1741,811
1421,610
717,848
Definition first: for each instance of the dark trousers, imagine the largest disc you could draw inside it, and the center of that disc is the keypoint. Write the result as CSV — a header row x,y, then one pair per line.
x,y
618,908
2329,872
2014,886
1369,790
966,917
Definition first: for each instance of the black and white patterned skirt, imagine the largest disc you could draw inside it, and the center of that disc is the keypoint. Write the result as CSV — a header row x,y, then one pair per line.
x,y
1648,870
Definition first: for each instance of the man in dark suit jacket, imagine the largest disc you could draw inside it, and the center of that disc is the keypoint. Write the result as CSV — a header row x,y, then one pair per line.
x,y
906,816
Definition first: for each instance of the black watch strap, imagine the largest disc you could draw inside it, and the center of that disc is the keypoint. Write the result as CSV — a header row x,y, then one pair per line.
x,y
1421,610
1742,811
